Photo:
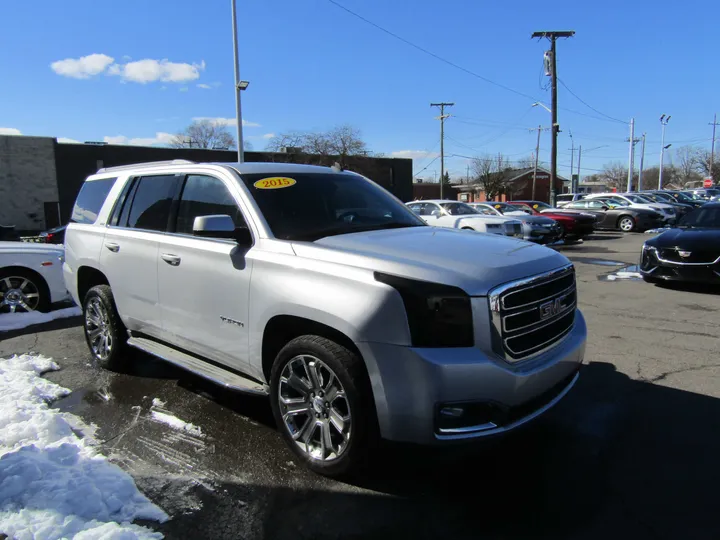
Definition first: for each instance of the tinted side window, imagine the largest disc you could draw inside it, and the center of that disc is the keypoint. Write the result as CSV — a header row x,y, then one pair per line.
x,y
90,200
205,196
151,204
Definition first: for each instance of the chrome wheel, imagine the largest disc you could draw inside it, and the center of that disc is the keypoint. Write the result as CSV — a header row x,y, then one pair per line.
x,y
18,294
97,328
627,224
314,407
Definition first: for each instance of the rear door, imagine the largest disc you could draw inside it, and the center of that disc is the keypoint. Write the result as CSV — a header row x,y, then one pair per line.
x,y
604,217
204,283
129,255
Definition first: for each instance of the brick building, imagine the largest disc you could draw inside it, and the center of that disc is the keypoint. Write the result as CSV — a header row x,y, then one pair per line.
x,y
518,186
40,178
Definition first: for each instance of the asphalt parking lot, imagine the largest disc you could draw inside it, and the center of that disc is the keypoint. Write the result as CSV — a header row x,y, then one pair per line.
x,y
631,452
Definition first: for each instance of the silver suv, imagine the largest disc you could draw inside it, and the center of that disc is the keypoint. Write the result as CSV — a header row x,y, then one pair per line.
x,y
320,289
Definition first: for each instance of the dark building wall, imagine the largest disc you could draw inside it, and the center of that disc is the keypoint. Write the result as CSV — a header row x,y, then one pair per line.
x,y
74,162
422,191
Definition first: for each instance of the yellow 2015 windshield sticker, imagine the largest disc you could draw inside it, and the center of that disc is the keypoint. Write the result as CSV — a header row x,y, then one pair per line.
x,y
275,182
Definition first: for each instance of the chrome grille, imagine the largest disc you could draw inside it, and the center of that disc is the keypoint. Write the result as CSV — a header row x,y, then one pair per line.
x,y
531,315
514,229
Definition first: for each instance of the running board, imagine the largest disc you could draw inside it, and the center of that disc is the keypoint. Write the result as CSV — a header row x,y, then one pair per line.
x,y
199,367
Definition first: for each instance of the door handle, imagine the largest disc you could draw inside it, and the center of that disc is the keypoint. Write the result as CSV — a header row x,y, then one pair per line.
x,y
112,246
172,260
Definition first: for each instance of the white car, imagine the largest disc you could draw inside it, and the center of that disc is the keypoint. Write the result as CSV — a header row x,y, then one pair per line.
x,y
459,215
638,201
31,277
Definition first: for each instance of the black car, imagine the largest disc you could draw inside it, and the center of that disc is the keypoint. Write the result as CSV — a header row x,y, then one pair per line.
x,y
681,209
612,214
689,252
683,197
53,236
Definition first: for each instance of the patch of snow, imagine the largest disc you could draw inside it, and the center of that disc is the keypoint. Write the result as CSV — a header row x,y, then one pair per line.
x,y
157,403
53,483
16,321
175,422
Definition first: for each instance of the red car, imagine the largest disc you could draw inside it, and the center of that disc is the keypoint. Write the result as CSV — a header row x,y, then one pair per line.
x,y
575,225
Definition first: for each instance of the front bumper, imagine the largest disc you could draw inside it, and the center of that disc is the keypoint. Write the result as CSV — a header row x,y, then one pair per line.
x,y
410,385
542,235
653,267
645,223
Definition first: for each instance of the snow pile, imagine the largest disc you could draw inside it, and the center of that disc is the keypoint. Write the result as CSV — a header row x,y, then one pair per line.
x,y
173,421
16,321
53,484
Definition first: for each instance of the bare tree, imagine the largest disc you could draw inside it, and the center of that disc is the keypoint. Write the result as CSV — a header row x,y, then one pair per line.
x,y
204,134
341,141
528,162
615,174
704,167
689,164
490,173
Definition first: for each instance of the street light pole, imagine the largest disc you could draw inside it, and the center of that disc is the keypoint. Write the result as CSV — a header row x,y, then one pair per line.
x,y
442,118
663,120
238,89
642,163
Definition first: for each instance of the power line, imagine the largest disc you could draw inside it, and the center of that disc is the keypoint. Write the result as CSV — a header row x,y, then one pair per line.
x,y
587,105
426,166
430,53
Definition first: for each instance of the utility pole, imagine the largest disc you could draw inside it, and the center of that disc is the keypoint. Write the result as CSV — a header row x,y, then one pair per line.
x,y
572,160
552,36
642,162
442,118
712,146
539,129
238,89
467,175
631,159
576,186
663,120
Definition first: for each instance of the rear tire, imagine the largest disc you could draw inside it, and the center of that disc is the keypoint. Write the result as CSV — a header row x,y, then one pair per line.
x,y
105,332
332,437
626,224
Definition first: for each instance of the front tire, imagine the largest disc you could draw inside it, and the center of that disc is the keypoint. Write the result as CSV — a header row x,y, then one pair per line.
x,y
626,224
22,291
105,332
322,403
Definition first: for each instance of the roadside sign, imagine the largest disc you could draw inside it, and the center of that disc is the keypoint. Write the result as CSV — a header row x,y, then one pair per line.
x,y
708,182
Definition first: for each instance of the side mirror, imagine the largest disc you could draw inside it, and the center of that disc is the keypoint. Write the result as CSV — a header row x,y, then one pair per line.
x,y
606,208
221,226
435,213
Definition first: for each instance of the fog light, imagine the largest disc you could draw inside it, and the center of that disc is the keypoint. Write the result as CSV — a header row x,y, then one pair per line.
x,y
453,412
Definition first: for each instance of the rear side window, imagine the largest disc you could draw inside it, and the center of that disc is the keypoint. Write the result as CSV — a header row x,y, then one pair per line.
x,y
151,204
205,196
90,200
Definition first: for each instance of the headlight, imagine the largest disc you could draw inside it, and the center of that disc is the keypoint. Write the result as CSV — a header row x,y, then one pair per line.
x,y
438,315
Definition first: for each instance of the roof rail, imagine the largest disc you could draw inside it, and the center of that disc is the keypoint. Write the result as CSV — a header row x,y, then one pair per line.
x,y
147,164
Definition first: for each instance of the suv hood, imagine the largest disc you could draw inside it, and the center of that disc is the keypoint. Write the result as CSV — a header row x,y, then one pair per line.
x,y
691,239
475,262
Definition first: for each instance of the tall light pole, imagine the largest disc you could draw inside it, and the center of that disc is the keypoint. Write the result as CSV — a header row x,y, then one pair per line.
x,y
442,118
642,163
239,86
663,120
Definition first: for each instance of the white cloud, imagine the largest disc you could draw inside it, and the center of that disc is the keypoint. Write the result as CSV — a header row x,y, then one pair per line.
x,y
83,67
204,86
225,121
268,136
66,140
9,131
413,154
161,138
149,70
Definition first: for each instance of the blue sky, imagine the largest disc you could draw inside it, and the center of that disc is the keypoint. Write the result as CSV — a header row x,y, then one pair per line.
x,y
312,65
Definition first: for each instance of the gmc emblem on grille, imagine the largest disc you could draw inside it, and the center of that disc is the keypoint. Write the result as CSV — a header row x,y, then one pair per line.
x,y
684,254
553,307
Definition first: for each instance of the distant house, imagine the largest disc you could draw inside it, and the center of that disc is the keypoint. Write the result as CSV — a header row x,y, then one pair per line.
x,y
593,187
425,191
518,186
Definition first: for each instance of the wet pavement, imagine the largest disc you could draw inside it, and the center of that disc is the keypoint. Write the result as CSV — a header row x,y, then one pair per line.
x,y
631,451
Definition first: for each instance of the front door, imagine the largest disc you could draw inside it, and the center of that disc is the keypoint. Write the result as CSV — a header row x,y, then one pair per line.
x,y
204,283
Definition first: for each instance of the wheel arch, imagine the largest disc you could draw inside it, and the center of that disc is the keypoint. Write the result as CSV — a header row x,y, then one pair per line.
x,y
623,216
42,282
87,278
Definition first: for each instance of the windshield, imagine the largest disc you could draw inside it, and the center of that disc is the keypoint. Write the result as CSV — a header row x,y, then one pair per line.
x,y
484,210
638,199
662,197
503,207
702,217
614,202
682,197
458,209
540,206
310,206
523,207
